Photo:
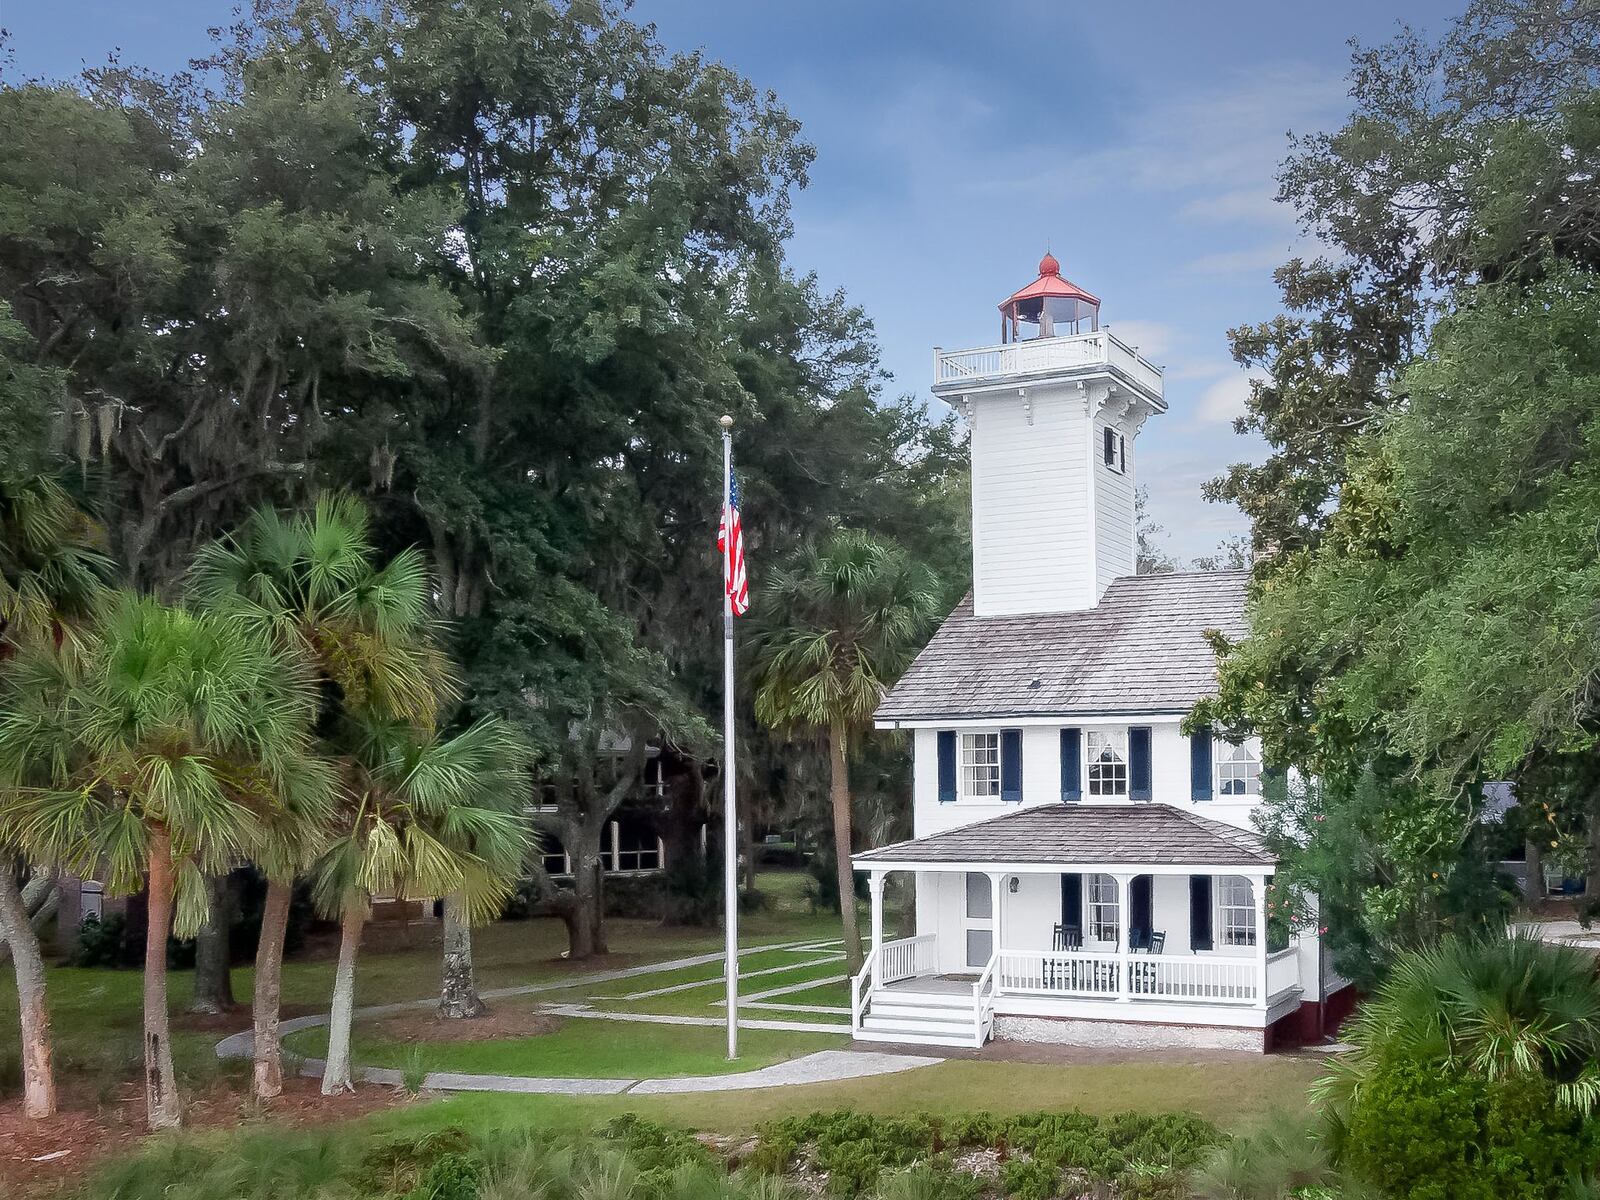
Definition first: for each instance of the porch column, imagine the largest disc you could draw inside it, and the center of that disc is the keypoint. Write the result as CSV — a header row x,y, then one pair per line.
x,y
995,893
1258,889
1124,957
875,889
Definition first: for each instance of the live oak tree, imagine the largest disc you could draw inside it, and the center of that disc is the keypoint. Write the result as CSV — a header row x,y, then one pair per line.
x,y
1466,157
1443,631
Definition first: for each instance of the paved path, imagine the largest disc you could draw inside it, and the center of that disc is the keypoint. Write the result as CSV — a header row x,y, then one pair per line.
x,y
821,1067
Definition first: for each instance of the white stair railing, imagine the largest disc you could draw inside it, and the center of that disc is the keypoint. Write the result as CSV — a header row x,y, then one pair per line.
x,y
861,991
983,993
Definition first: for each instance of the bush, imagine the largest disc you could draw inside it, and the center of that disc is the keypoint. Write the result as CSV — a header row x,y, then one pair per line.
x,y
1028,1179
1427,1132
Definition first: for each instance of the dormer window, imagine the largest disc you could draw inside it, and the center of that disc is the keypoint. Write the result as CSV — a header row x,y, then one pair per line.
x,y
1238,769
1114,449
1106,755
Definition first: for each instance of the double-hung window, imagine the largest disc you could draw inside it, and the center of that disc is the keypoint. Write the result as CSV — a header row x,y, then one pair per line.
x,y
1106,757
1102,891
1236,911
1114,449
1238,769
980,766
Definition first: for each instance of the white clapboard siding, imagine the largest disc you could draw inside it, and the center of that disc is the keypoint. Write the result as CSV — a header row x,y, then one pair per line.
x,y
1032,539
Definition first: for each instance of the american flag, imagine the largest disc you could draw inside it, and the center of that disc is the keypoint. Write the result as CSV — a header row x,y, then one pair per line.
x,y
735,581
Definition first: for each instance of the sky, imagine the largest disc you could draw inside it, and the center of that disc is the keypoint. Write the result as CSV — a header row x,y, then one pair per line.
x,y
956,141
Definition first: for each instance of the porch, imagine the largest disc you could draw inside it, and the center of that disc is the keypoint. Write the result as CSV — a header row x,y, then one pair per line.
x,y
1052,934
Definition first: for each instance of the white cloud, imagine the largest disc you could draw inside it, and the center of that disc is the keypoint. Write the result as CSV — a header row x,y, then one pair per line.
x,y
1150,338
1251,261
1225,399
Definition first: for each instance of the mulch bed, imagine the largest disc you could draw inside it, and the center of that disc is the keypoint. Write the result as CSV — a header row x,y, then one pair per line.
x,y
32,1161
499,1024
236,1020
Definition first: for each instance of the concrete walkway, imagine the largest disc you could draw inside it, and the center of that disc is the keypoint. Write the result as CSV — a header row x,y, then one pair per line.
x,y
823,1066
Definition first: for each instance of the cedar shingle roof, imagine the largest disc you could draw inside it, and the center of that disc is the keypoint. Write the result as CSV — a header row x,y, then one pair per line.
x,y
1140,650
1077,834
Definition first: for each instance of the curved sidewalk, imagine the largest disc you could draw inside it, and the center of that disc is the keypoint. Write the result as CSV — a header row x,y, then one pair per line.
x,y
822,1066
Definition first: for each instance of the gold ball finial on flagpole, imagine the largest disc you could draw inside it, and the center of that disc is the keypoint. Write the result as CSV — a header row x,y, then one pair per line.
x,y
726,422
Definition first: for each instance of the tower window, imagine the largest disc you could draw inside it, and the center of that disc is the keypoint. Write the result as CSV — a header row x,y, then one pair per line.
x,y
1114,448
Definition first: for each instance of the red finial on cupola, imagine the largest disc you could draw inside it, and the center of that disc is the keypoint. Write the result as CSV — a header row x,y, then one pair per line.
x,y
1054,304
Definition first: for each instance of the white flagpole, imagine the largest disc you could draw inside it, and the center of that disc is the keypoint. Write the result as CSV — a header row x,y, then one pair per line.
x,y
730,818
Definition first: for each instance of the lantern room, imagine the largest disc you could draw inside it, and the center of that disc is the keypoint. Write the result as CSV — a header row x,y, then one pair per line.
x,y
1049,306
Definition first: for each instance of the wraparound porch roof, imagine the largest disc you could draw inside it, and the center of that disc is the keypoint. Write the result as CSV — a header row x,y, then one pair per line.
x,y
1054,836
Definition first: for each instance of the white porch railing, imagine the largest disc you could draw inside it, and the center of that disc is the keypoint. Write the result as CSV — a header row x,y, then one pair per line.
x,y
905,958
1191,979
1043,355
1283,969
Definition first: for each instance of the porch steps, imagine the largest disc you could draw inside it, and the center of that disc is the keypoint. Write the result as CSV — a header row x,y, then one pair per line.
x,y
921,1018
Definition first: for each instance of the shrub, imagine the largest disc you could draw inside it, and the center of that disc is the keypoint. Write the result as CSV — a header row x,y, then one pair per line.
x,y
1028,1179
1424,1132
452,1176
1285,1157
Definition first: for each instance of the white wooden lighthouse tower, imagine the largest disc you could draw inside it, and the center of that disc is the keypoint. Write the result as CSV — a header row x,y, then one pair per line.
x,y
1054,411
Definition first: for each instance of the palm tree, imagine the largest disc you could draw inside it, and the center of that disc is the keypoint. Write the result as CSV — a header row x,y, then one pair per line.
x,y
833,630
426,816
311,580
165,746
50,577
1495,1006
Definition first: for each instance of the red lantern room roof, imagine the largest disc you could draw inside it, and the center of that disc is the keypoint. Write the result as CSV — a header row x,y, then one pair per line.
x,y
1050,283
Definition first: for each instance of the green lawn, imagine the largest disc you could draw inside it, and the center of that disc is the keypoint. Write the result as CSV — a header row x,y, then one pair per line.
x,y
1236,1093
97,1019
603,1049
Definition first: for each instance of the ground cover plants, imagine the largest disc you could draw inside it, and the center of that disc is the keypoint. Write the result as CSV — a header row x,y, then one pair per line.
x,y
1132,1156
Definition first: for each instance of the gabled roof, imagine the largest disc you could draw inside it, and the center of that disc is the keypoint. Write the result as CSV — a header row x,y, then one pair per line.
x,y
1142,649
1083,834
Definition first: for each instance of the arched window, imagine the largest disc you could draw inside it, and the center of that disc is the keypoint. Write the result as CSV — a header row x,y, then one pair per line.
x,y
1236,911
1107,755
1238,768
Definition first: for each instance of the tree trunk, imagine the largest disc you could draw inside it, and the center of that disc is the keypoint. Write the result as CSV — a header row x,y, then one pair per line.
x,y
1534,892
213,967
38,1077
337,1075
160,1082
1591,878
839,793
585,868
458,994
41,898
266,1077
748,837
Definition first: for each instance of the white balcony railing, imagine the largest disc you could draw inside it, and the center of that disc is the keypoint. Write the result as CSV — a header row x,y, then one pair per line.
x,y
1043,356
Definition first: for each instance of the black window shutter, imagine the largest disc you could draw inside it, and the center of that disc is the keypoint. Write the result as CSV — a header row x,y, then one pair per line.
x,y
947,766
1200,912
1141,914
1109,446
1071,765
1139,763
1011,764
1200,764
1072,902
